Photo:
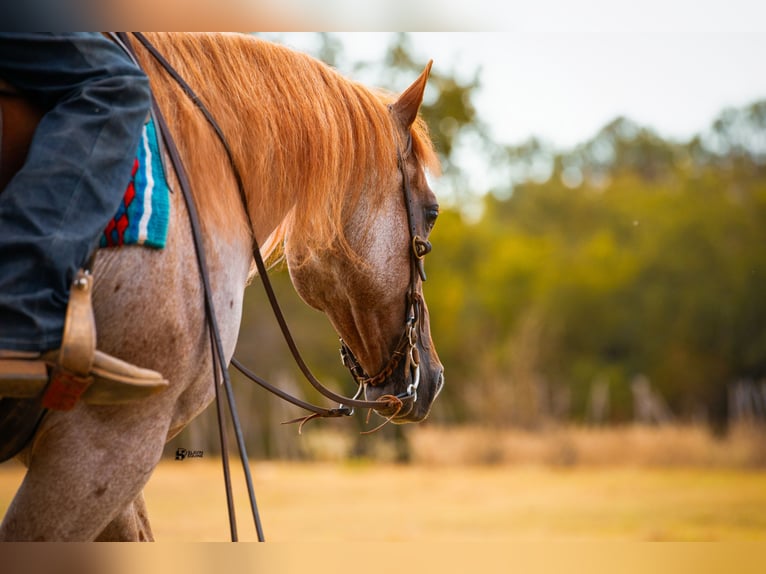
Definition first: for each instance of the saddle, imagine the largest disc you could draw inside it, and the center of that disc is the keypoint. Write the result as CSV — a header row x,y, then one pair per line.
x,y
18,121
76,371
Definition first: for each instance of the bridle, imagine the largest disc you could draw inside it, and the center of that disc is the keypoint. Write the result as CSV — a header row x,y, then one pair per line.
x,y
406,347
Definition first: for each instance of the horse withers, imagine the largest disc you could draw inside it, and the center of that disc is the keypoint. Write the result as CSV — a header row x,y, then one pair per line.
x,y
324,161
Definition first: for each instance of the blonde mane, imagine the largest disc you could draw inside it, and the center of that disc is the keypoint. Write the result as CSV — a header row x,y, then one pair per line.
x,y
305,136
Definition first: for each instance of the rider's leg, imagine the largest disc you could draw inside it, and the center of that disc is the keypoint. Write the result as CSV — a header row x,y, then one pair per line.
x,y
79,164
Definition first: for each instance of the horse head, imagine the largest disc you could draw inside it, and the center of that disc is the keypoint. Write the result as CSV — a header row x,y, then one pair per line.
x,y
370,283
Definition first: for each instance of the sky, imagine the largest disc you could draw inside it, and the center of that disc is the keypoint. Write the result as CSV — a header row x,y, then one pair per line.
x,y
561,70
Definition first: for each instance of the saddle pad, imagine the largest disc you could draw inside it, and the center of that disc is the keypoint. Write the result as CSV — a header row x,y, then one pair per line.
x,y
142,217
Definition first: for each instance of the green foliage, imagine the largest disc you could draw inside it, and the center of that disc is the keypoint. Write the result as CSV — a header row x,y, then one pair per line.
x,y
651,264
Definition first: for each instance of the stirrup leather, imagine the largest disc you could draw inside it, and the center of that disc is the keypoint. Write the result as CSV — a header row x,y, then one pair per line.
x,y
70,376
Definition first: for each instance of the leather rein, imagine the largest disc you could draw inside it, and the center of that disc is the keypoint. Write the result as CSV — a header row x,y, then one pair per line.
x,y
408,340
407,343
405,349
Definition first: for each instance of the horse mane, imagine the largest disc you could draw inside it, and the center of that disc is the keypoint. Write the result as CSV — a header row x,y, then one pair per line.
x,y
311,139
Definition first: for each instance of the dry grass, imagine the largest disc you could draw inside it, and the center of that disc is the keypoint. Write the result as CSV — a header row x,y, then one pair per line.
x,y
629,484
368,502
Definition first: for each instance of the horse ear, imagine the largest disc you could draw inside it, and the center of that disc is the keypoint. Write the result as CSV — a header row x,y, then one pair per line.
x,y
407,106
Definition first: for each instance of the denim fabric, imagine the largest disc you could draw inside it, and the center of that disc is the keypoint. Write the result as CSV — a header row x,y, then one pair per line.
x,y
53,211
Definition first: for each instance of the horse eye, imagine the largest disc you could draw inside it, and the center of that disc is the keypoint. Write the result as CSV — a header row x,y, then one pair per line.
x,y
432,212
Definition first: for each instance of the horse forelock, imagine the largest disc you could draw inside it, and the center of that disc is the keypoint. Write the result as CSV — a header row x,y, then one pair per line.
x,y
307,140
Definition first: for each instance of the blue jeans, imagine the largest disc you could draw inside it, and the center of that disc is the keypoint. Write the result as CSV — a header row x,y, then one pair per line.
x,y
79,165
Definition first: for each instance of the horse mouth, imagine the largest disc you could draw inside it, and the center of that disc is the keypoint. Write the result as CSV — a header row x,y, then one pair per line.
x,y
412,407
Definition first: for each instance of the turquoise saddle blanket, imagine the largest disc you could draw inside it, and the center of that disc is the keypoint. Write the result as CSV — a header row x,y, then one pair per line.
x,y
144,213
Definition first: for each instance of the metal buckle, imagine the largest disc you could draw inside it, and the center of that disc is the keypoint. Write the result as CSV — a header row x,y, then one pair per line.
x,y
420,247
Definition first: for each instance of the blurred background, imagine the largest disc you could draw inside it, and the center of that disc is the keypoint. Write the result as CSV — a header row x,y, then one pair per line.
x,y
596,284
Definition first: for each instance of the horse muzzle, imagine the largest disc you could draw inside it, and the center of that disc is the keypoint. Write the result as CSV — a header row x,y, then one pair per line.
x,y
422,385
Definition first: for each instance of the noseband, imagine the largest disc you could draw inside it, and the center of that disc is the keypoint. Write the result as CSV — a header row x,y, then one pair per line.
x,y
407,346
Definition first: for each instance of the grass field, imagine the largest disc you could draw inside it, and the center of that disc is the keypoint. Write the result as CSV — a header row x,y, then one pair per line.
x,y
346,501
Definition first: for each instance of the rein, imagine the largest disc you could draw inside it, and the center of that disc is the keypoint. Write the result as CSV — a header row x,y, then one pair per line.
x,y
345,402
406,348
220,372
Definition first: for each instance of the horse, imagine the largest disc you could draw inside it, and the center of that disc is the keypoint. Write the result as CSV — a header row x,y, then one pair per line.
x,y
317,153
